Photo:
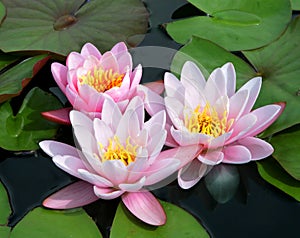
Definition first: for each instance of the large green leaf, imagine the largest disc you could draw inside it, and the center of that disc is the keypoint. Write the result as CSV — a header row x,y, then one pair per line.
x,y
2,12
59,224
25,129
279,65
179,224
13,80
287,152
273,173
234,24
4,231
62,26
4,206
295,4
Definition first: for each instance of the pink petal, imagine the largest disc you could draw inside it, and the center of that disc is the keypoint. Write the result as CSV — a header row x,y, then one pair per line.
x,y
69,164
156,123
253,87
174,87
111,113
192,77
107,193
119,48
136,104
191,174
185,138
102,132
115,171
74,60
94,179
215,86
75,195
266,115
133,187
157,86
145,207
175,110
59,116
211,157
135,80
230,78
237,104
156,144
236,154
53,148
89,49
125,62
59,73
258,148
108,61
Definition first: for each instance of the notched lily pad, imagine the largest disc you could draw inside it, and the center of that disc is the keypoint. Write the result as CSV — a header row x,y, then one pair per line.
x,y
179,224
25,129
4,206
2,12
18,74
234,24
61,26
50,223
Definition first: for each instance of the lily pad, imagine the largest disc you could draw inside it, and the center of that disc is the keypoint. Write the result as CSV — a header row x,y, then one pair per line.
x,y
222,182
234,24
13,80
24,130
295,4
59,224
279,65
286,152
4,206
179,224
273,173
4,231
63,26
2,12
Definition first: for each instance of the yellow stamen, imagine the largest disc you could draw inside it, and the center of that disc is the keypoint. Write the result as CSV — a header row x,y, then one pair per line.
x,y
102,80
207,121
116,151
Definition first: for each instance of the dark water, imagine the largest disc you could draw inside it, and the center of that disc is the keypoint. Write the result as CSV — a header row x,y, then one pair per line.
x,y
257,210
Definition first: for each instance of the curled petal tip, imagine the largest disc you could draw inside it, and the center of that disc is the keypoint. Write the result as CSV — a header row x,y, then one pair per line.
x,y
60,116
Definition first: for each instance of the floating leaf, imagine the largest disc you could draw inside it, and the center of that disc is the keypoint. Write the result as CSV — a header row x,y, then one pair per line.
x,y
273,173
287,152
62,26
24,130
16,78
59,224
7,59
179,224
234,24
222,182
279,65
2,12
295,4
4,206
4,231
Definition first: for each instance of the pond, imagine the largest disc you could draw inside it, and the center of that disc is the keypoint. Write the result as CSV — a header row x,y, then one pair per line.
x,y
235,197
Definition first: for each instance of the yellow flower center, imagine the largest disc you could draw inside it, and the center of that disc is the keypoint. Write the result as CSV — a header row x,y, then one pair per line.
x,y
207,121
102,80
116,151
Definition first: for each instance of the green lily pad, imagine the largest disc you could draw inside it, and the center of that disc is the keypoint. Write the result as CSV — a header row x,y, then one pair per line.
x,y
59,224
273,173
24,130
295,4
63,26
222,182
13,80
234,24
4,206
4,231
279,65
287,152
2,12
179,224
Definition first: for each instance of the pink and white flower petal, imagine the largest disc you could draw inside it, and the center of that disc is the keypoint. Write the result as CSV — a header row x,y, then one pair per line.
x,y
107,193
125,62
60,116
211,157
156,144
136,77
136,104
53,148
185,138
115,171
125,126
265,115
109,62
69,164
145,207
75,195
156,86
230,78
192,77
90,62
174,87
258,148
94,179
102,132
84,139
156,123
89,49
136,169
74,60
133,187
215,86
175,111
59,73
111,113
253,87
236,154
191,174
119,48
237,104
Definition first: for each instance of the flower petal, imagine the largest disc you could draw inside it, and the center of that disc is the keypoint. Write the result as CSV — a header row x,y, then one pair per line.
x,y
145,207
185,138
191,174
69,164
89,49
59,73
230,78
59,116
107,193
258,148
75,195
115,171
236,154
94,179
211,157
133,187
74,60
156,86
53,148
174,87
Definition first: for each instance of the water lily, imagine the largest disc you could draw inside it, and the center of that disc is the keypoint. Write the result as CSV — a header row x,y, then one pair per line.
x,y
89,77
117,155
212,113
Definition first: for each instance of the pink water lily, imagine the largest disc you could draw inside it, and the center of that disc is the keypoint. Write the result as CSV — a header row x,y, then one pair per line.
x,y
89,77
117,155
213,114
